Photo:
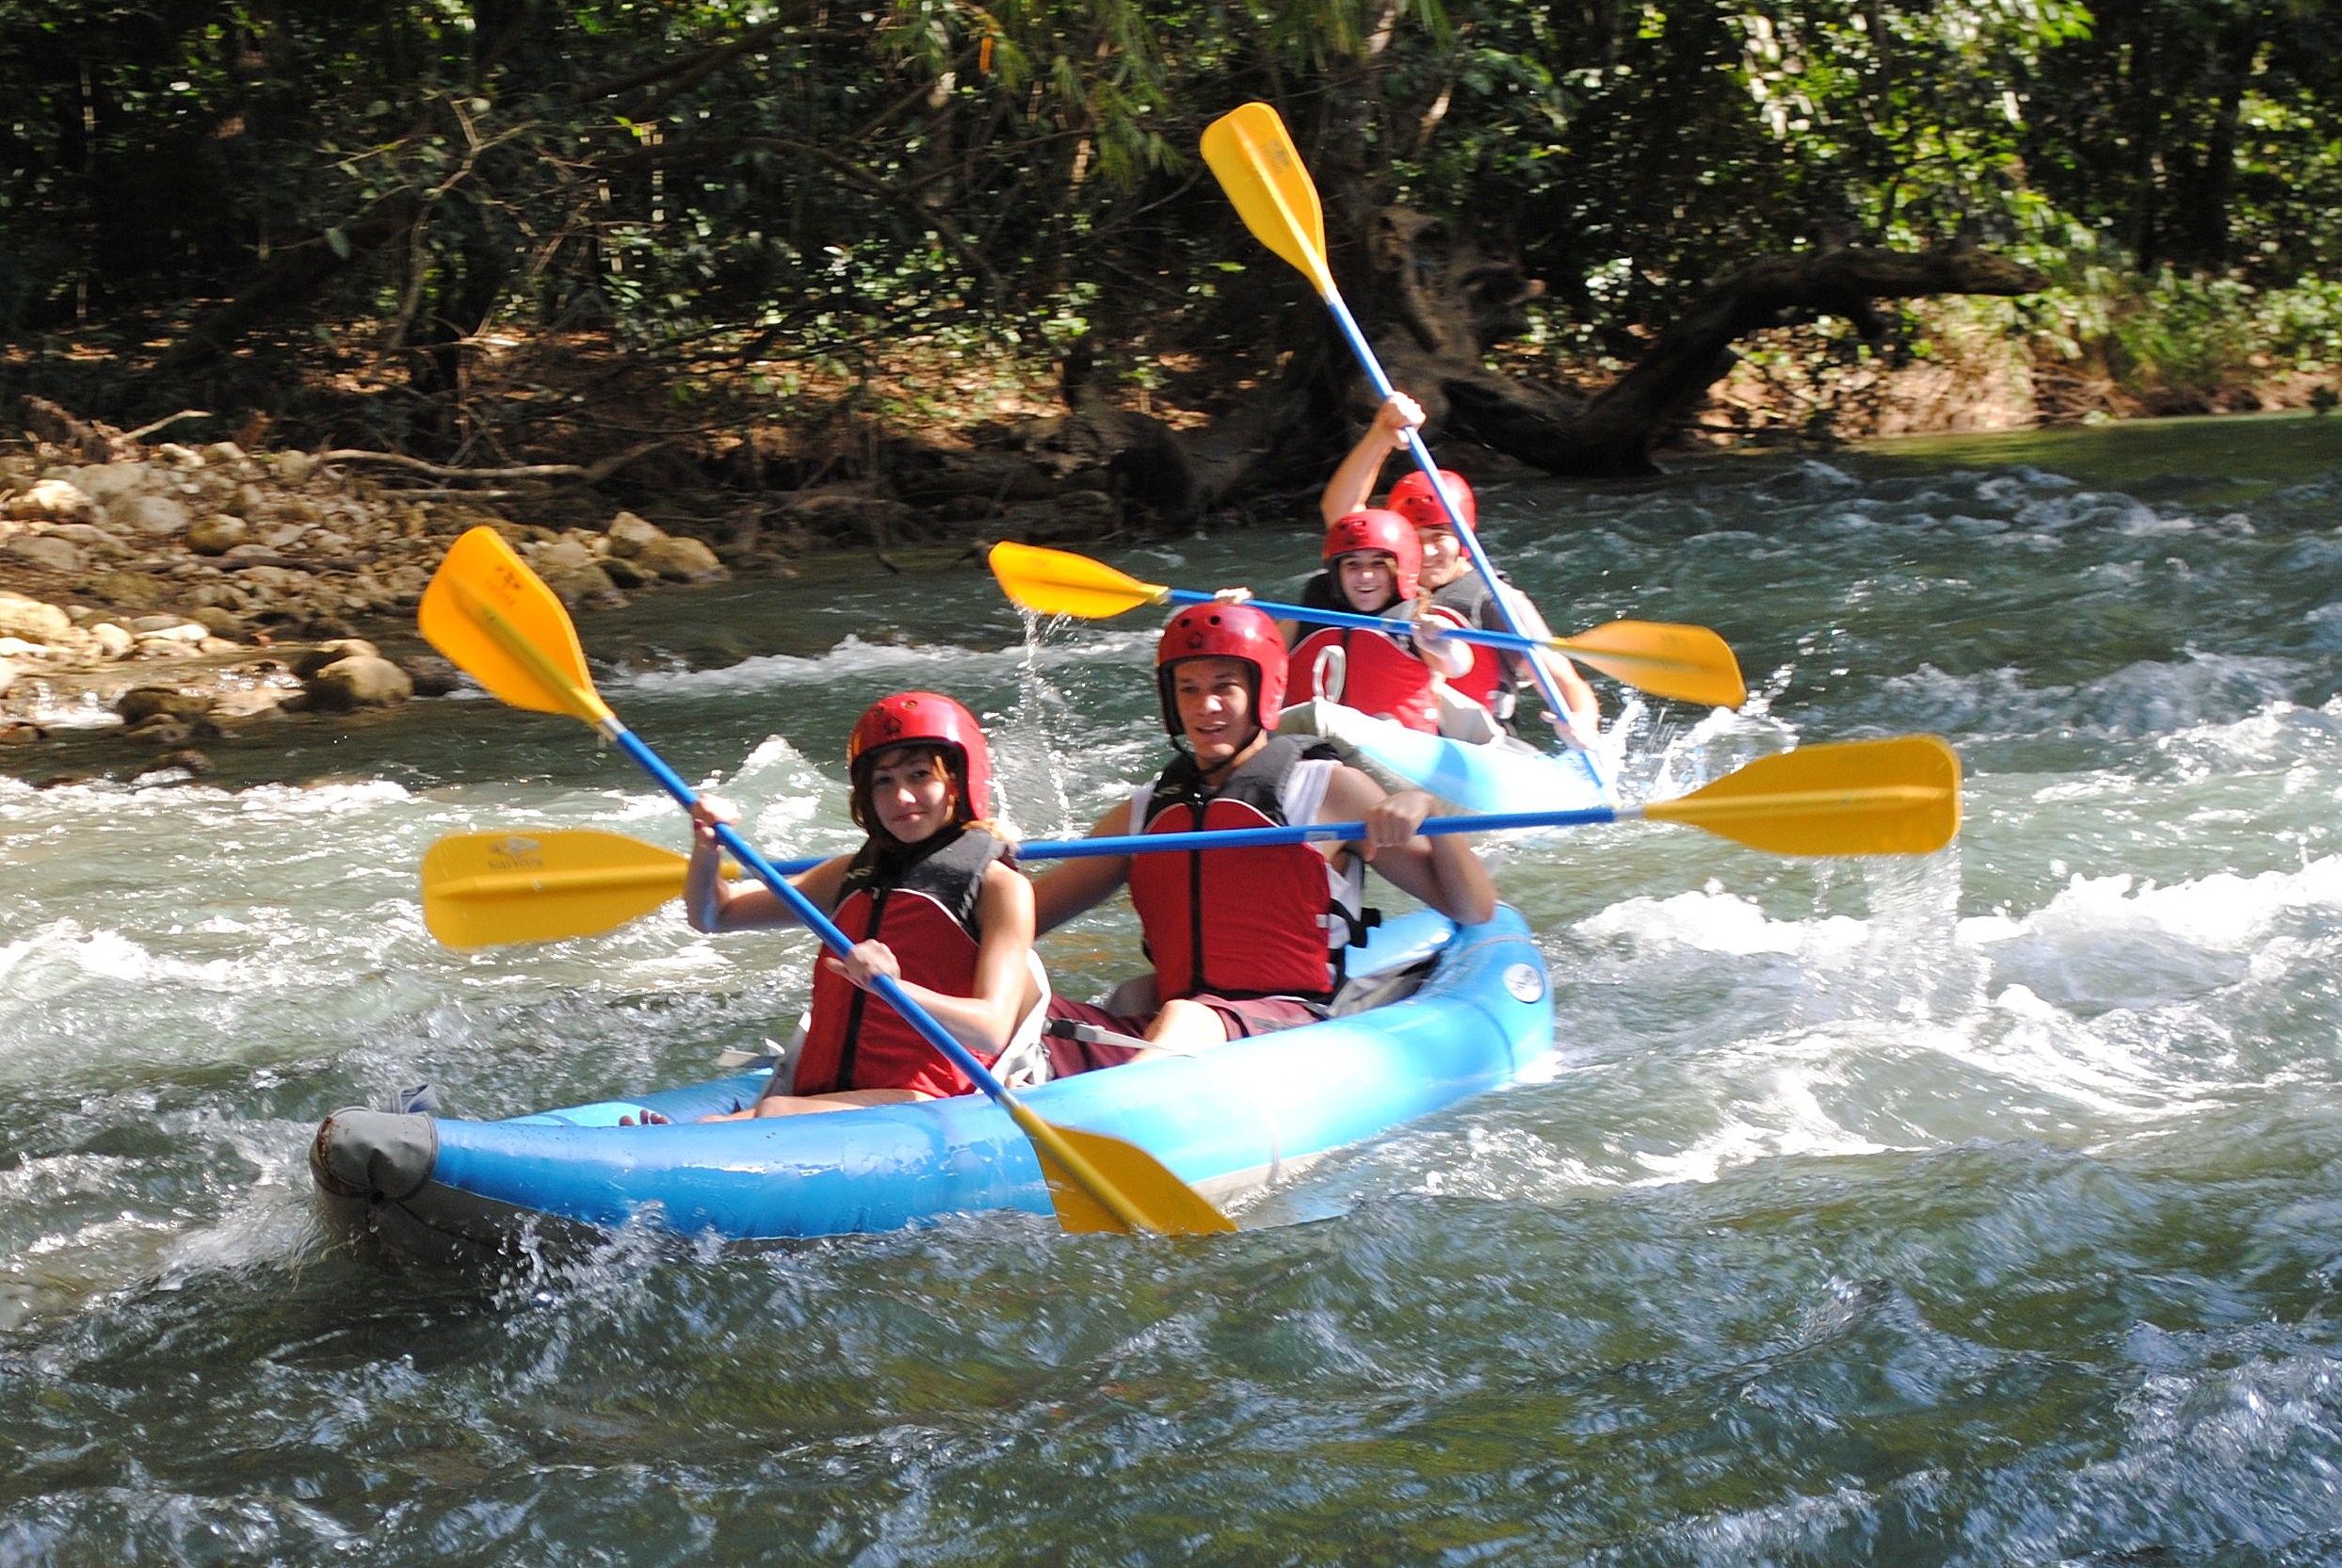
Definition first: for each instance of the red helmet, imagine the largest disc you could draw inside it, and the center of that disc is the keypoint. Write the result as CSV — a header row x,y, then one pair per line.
x,y
1412,498
1223,631
1385,531
909,717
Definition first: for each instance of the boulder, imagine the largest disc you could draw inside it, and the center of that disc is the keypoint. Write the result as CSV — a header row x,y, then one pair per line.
x,y
20,732
432,675
93,540
624,573
46,551
237,711
218,534
562,554
32,619
142,704
684,561
311,661
589,585
220,621
155,516
187,760
627,534
295,467
175,633
161,730
109,482
359,681
128,590
53,501
113,641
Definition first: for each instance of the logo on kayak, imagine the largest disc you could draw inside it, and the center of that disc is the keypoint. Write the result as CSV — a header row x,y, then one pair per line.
x,y
1524,982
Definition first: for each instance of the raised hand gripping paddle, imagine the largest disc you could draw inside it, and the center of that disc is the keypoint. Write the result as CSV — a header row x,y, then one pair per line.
x,y
1683,663
491,615
1252,155
1896,797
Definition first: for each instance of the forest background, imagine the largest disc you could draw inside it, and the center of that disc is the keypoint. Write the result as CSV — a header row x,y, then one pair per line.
x,y
757,238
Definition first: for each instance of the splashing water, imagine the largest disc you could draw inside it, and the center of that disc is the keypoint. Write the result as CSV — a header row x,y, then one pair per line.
x,y
1978,1210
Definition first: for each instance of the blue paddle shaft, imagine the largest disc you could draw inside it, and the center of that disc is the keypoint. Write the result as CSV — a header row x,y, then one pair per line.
x,y
1480,563
1239,838
1387,625
820,924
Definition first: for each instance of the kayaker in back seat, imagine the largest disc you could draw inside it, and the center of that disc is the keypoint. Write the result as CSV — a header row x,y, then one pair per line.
x,y
927,899
1448,576
1375,561
1244,941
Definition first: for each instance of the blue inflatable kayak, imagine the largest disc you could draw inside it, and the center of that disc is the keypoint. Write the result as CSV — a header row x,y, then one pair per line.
x,y
1226,1120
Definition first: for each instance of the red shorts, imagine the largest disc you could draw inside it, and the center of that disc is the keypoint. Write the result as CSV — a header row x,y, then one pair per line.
x,y
1240,1018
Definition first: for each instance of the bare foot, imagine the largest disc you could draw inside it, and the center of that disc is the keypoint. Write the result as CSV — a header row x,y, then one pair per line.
x,y
650,1119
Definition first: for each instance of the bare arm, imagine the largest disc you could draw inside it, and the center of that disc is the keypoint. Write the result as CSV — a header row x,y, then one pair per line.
x,y
1444,872
1352,485
716,905
1076,886
985,1022
1585,709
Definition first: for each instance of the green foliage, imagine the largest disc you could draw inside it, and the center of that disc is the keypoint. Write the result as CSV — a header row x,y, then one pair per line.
x,y
797,180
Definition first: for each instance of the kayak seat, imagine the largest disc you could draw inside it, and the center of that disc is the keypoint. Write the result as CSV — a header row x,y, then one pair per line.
x,y
1374,990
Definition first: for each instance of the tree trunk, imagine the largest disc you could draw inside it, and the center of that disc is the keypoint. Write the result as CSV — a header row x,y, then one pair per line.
x,y
1431,306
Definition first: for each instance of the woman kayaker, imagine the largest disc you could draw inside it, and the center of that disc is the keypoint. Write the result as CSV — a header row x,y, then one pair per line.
x,y
1448,576
1244,941
1376,562
926,899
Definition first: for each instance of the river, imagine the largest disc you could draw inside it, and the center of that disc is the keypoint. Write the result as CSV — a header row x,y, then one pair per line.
x,y
1983,1209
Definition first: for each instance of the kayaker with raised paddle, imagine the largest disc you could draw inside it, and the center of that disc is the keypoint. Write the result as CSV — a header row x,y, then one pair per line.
x,y
1448,578
1244,940
1376,563
927,899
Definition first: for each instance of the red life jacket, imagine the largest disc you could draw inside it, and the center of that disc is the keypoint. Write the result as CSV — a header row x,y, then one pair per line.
x,y
1242,923
925,912
1380,675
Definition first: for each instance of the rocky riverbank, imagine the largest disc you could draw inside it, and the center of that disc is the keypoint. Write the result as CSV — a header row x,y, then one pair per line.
x,y
174,595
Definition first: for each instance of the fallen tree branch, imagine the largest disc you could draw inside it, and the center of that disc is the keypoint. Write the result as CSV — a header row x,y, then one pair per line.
x,y
145,430
1614,433
593,474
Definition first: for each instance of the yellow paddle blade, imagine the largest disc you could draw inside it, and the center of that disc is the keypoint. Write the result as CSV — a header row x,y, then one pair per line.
x,y
1057,582
480,889
1684,664
1251,151
1102,1184
1897,796
500,623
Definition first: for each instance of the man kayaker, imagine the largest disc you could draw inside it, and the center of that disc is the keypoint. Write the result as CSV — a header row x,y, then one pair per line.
x,y
926,899
1375,560
1244,941
1448,576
